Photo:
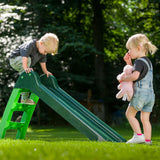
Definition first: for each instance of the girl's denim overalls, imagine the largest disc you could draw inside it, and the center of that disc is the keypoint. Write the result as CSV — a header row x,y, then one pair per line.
x,y
144,98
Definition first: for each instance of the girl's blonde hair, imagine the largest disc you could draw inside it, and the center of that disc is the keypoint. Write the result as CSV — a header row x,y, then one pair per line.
x,y
51,43
141,40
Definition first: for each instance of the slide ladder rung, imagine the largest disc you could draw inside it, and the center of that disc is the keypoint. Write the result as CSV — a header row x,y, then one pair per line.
x,y
21,107
14,125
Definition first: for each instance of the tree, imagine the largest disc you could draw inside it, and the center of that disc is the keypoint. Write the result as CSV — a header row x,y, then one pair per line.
x,y
92,37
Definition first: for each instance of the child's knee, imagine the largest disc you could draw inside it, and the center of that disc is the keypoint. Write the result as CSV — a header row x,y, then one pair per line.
x,y
130,113
127,114
145,117
144,120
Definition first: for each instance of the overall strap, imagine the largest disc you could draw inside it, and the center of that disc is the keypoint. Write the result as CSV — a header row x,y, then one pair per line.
x,y
140,83
144,60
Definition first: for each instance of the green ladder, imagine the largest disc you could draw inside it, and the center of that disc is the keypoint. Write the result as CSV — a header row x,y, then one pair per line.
x,y
14,105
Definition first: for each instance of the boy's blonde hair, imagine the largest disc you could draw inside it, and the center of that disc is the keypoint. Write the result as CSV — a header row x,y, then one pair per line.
x,y
141,40
51,43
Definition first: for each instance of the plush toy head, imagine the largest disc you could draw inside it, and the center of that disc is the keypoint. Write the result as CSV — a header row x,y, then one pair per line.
x,y
126,88
126,71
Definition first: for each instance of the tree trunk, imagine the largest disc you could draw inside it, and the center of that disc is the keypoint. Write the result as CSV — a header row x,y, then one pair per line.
x,y
98,28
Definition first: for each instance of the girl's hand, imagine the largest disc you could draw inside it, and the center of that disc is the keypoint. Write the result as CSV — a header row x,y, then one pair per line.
x,y
28,70
127,59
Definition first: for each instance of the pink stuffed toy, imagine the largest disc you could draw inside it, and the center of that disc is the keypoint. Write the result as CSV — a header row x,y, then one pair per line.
x,y
126,88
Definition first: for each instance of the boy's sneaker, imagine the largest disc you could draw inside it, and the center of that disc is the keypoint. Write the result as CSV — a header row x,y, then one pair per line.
x,y
18,119
137,139
28,101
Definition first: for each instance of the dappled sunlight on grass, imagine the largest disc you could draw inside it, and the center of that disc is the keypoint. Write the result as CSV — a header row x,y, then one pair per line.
x,y
29,130
55,134
50,134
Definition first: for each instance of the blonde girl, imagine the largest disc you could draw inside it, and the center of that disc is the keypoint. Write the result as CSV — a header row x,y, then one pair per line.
x,y
138,47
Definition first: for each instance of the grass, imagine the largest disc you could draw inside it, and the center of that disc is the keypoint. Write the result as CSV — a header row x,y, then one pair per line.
x,y
69,144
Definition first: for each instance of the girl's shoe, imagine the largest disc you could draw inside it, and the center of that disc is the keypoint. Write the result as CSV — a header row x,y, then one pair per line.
x,y
28,101
148,143
137,139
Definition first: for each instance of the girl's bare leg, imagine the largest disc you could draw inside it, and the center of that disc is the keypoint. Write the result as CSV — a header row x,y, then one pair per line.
x,y
146,124
130,114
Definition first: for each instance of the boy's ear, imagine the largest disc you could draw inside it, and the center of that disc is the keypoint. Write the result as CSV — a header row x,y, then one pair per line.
x,y
139,47
41,42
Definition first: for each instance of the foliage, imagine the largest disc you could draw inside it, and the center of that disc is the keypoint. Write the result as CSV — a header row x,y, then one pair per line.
x,y
87,29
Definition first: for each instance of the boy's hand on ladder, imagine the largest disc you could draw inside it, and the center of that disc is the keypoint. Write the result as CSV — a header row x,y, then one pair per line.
x,y
28,70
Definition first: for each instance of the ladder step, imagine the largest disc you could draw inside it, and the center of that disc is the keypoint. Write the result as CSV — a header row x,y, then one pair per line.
x,y
14,125
24,90
21,107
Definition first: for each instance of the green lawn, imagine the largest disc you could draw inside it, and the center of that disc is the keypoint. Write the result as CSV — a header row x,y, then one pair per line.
x,y
68,144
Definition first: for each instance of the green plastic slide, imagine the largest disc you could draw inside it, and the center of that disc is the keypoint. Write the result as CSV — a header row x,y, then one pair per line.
x,y
48,90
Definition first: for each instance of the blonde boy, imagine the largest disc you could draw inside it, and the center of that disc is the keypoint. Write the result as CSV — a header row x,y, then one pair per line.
x,y
29,53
